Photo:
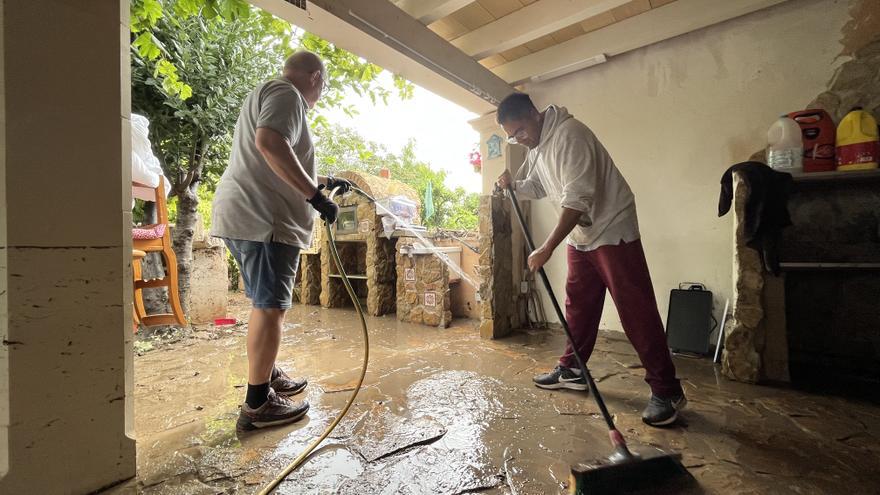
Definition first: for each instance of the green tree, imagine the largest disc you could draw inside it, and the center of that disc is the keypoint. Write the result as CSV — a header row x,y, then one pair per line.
x,y
348,71
191,77
221,61
463,214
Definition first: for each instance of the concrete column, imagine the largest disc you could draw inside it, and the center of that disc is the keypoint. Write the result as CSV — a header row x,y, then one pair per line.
x,y
65,377
511,158
4,272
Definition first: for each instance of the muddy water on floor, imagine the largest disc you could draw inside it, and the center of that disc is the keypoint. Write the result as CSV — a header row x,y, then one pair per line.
x,y
445,412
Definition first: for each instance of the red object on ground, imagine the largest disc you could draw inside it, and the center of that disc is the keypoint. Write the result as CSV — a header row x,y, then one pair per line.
x,y
819,133
224,321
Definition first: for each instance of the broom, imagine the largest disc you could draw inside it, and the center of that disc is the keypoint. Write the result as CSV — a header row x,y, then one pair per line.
x,y
622,471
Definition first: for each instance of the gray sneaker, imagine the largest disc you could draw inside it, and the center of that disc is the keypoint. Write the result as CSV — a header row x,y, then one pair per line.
x,y
277,410
561,377
284,385
662,412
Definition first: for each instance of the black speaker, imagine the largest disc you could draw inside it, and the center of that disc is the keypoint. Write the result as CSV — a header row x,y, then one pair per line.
x,y
689,321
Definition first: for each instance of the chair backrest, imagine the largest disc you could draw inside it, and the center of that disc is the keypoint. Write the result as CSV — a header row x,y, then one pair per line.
x,y
161,205
155,195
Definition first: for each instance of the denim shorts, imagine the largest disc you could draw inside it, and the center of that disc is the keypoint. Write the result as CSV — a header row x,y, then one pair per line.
x,y
268,270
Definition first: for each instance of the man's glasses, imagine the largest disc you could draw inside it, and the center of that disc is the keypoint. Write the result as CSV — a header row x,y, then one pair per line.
x,y
517,136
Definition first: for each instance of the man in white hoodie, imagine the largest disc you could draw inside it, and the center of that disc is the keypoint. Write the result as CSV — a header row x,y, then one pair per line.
x,y
567,164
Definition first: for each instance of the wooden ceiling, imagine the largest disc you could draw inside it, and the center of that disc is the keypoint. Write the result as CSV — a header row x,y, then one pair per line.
x,y
478,14
522,40
475,52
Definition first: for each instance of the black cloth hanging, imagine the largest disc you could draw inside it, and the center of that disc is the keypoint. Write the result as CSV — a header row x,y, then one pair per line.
x,y
766,210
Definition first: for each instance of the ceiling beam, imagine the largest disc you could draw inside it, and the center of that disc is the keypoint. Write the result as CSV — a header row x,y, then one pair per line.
x,y
655,25
529,23
380,32
428,11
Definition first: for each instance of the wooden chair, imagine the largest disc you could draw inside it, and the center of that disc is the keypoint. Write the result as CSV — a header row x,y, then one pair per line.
x,y
136,257
156,238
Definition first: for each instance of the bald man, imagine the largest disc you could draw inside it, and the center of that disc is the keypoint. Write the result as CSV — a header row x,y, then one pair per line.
x,y
264,210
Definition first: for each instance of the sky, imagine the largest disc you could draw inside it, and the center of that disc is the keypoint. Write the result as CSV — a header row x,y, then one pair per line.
x,y
440,128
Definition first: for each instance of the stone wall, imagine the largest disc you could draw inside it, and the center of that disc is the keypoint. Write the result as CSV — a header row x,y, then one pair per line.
x,y
310,279
333,292
210,278
381,275
854,84
364,252
497,295
756,341
423,294
740,360
209,285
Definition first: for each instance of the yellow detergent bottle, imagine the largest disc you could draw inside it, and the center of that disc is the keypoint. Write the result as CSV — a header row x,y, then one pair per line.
x,y
857,141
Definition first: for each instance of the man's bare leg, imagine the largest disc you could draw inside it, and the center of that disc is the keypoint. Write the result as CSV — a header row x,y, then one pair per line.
x,y
263,341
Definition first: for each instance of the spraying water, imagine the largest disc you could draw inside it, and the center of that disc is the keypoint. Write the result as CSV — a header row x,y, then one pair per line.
x,y
427,244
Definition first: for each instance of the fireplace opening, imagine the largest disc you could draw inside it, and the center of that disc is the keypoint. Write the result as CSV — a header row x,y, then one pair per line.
x,y
833,332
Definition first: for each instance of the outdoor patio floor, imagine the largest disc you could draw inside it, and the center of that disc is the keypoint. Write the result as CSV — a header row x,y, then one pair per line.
x,y
501,433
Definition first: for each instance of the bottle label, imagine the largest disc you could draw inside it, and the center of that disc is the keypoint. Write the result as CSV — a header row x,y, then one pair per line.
x,y
853,154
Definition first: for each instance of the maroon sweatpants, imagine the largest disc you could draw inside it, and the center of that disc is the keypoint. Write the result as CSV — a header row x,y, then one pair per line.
x,y
621,269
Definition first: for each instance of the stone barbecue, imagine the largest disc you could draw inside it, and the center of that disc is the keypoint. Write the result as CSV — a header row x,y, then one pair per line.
x,y
417,286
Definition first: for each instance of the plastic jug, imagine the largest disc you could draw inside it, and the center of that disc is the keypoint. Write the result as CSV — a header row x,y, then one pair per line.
x,y
818,135
785,149
857,141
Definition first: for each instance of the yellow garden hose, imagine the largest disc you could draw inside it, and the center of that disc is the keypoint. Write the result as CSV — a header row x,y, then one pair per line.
x,y
360,311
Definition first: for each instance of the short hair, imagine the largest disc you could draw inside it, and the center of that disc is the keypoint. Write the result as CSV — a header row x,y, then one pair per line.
x,y
514,107
304,62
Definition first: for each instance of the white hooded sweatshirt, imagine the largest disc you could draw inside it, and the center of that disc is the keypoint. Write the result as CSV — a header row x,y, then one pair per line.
x,y
572,168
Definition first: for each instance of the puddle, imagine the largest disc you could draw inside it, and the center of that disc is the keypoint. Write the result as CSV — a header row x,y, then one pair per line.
x,y
388,434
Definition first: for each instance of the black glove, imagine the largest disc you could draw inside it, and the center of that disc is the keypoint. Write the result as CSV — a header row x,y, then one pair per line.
x,y
343,185
325,206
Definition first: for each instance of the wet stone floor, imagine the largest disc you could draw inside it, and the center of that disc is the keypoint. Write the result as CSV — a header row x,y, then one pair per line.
x,y
444,412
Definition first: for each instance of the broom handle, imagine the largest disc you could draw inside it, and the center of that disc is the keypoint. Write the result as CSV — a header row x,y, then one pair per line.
x,y
586,372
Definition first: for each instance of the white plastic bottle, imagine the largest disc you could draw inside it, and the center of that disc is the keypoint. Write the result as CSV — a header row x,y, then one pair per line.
x,y
785,147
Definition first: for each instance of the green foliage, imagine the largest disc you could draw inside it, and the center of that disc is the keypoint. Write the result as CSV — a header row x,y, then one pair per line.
x,y
221,61
463,214
339,148
146,17
206,198
347,71
213,53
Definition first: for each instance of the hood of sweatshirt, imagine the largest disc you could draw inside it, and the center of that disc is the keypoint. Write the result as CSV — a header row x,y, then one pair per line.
x,y
554,116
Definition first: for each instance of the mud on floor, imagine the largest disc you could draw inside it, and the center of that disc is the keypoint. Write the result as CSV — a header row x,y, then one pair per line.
x,y
444,412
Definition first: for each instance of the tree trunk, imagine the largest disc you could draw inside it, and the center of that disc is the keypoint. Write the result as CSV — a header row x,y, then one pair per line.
x,y
149,213
184,229
183,233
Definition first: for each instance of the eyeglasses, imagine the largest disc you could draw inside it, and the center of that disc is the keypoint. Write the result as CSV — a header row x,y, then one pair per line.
x,y
517,136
